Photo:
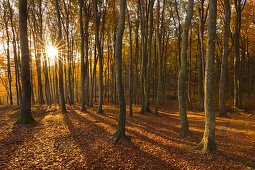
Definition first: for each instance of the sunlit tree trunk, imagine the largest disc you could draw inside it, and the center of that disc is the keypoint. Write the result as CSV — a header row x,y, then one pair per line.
x,y
8,57
15,54
208,141
25,113
202,19
182,74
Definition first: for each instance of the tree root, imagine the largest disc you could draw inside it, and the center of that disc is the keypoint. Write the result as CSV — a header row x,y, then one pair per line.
x,y
206,150
184,134
224,115
117,136
25,120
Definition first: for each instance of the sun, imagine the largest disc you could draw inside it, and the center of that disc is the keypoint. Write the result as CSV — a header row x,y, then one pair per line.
x,y
51,51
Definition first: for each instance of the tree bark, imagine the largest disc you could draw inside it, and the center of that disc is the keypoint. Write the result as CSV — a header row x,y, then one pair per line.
x,y
60,60
147,94
208,141
223,74
120,133
237,91
25,113
8,57
15,54
202,19
100,57
130,66
182,74
160,55
83,108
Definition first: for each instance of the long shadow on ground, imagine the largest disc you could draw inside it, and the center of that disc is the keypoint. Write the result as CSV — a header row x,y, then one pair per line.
x,y
100,153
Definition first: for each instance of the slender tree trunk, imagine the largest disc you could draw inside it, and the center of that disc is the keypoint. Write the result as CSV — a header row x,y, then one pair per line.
x,y
83,108
100,57
160,55
136,58
202,19
208,141
25,113
130,66
15,55
144,56
182,74
147,94
237,91
223,74
120,132
87,56
8,58
60,62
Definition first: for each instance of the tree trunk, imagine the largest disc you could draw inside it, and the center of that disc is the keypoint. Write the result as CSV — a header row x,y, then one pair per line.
x,y
130,65
8,58
147,94
15,55
202,19
25,113
182,74
120,133
224,65
60,61
83,108
208,141
160,55
144,55
100,57
237,91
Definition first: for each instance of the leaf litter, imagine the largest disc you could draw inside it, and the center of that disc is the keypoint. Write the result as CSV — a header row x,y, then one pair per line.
x,y
81,140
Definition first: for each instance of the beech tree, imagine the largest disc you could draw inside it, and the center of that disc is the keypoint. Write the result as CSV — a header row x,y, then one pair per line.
x,y
25,113
208,141
120,132
100,58
223,74
60,60
182,74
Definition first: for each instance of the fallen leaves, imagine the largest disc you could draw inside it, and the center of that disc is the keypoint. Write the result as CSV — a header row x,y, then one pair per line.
x,y
81,140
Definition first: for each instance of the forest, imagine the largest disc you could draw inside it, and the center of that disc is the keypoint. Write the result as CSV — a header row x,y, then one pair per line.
x,y
127,84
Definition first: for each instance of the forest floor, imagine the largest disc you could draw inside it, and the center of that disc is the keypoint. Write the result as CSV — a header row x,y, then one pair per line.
x,y
78,140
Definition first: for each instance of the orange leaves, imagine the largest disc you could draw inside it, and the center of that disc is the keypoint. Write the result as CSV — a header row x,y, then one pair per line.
x,y
81,140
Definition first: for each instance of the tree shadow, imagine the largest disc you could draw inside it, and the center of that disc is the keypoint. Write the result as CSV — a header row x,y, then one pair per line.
x,y
11,143
105,152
